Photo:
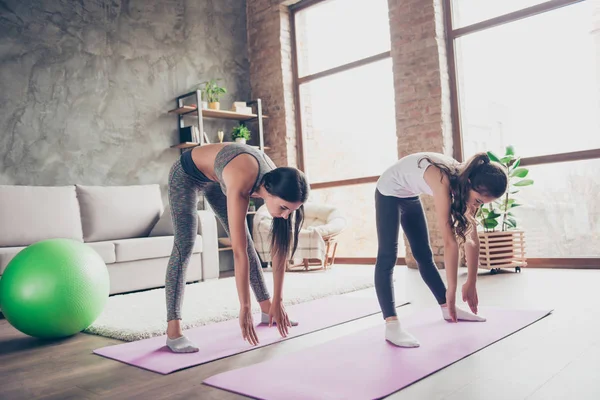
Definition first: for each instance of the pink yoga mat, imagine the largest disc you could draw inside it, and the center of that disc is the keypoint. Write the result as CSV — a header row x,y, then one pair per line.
x,y
363,365
224,339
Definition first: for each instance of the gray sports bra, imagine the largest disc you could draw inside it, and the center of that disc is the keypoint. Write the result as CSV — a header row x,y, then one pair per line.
x,y
230,151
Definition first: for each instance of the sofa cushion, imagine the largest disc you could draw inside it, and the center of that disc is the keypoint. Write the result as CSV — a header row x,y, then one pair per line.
x,y
149,247
164,226
7,254
106,250
118,212
29,214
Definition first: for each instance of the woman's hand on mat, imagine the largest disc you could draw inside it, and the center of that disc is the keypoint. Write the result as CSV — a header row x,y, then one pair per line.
x,y
278,315
469,295
451,304
247,325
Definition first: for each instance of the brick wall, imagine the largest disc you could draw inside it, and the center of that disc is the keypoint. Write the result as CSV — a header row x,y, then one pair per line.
x,y
271,79
420,83
422,91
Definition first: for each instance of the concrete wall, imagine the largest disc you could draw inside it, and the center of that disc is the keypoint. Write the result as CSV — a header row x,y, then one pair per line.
x,y
85,86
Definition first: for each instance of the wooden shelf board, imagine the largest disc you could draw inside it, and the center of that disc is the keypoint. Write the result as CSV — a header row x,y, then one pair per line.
x,y
182,110
225,248
208,113
185,145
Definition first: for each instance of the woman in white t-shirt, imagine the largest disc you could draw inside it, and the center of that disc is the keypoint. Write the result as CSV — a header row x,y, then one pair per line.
x,y
458,190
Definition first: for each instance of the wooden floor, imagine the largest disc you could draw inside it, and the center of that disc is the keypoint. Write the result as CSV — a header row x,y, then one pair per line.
x,y
555,358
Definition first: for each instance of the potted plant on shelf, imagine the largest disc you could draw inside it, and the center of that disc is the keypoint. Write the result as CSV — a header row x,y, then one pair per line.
x,y
240,133
502,244
212,93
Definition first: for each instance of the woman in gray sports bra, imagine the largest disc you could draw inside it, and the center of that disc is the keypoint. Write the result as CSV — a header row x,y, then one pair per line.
x,y
228,175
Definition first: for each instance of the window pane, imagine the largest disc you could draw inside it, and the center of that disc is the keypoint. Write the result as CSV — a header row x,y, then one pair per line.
x,y
357,203
533,83
337,32
560,213
348,121
468,12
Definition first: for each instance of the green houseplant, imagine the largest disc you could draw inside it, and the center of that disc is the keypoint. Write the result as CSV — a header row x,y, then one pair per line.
x,y
498,214
212,93
502,243
240,133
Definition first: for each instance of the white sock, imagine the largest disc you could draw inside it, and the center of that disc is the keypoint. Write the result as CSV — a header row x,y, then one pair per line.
x,y
399,337
181,345
264,319
462,315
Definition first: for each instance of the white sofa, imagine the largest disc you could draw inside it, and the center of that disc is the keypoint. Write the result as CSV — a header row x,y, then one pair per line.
x,y
127,225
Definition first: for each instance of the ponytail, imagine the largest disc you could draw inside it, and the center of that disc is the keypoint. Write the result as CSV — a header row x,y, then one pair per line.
x,y
474,163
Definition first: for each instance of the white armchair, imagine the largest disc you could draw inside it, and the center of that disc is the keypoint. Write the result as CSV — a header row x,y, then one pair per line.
x,y
316,242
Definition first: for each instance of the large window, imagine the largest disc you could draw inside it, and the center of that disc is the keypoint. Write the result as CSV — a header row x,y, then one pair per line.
x,y
337,32
346,138
532,83
357,203
527,74
468,12
345,95
560,213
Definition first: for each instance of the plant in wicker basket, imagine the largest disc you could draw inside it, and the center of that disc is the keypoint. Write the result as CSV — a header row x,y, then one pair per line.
x,y
502,244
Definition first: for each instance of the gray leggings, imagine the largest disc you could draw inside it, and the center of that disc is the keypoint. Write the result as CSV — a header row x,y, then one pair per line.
x,y
184,193
391,212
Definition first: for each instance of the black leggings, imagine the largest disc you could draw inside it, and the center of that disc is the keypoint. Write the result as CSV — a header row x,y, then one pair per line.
x,y
391,212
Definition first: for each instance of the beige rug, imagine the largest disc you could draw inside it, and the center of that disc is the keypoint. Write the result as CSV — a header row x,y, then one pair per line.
x,y
142,315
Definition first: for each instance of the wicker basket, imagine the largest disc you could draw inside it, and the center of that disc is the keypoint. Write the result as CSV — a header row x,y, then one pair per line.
x,y
502,250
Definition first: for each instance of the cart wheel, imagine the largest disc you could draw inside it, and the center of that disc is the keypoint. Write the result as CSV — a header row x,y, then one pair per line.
x,y
493,271
517,269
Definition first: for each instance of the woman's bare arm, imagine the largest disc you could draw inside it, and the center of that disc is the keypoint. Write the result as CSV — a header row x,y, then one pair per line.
x,y
440,187
239,176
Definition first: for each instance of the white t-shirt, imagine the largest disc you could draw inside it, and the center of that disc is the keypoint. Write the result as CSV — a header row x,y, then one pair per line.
x,y
405,177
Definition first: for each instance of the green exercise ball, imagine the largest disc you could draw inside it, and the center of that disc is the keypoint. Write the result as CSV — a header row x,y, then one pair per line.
x,y
54,288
